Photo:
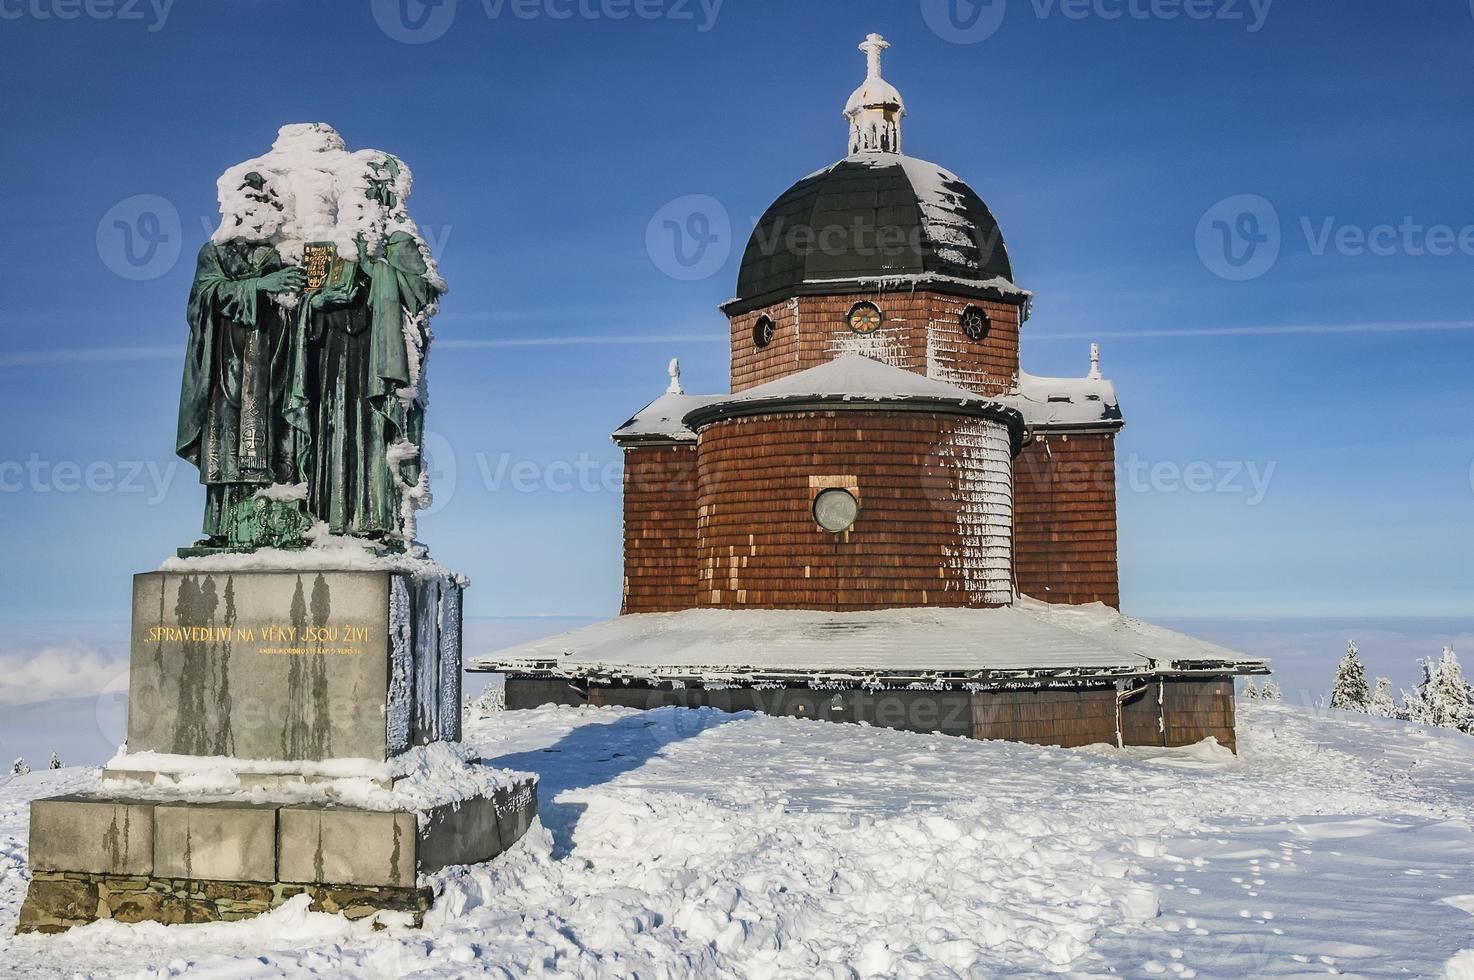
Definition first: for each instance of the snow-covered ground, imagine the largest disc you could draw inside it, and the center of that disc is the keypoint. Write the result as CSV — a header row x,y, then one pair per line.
x,y
682,842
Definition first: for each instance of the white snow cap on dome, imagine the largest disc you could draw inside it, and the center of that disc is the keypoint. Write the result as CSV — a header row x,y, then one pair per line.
x,y
876,107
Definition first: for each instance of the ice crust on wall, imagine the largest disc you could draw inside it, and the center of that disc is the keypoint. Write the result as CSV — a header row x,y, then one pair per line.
x,y
984,472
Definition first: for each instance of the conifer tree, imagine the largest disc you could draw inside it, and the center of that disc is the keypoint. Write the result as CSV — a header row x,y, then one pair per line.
x,y
1448,703
1271,692
1251,693
1349,692
19,768
1415,702
1381,704
55,762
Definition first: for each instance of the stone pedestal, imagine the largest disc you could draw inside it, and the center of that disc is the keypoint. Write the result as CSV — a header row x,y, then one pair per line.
x,y
293,666
285,692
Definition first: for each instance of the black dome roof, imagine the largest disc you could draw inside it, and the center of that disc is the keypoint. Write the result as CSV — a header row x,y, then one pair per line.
x,y
872,216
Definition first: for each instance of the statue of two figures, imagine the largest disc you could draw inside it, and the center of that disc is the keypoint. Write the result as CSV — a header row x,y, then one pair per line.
x,y
302,403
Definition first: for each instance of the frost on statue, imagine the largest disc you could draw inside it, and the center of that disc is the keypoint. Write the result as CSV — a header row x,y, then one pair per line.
x,y
303,396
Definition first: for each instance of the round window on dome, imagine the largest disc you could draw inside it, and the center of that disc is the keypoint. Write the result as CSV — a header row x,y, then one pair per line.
x,y
865,318
762,331
976,323
835,510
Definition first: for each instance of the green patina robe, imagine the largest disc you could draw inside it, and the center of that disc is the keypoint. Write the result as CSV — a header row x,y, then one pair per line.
x,y
238,381
357,369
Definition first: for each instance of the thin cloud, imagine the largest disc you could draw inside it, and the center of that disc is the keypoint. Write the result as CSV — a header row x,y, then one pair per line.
x,y
1431,326
63,357
503,342
86,355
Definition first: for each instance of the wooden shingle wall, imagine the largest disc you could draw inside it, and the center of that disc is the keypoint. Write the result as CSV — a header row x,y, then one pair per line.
x,y
659,528
1069,717
921,332
922,538
1181,711
1196,708
1065,519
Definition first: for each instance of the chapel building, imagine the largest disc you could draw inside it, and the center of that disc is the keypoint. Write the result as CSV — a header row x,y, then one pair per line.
x,y
886,520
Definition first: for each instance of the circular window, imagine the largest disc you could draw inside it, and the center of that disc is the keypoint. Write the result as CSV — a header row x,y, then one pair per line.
x,y
864,318
835,510
976,323
762,331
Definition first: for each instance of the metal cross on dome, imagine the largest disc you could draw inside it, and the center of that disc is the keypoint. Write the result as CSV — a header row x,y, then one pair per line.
x,y
873,45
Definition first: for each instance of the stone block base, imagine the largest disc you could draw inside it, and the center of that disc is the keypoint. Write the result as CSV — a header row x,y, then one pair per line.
x,y
59,900
174,861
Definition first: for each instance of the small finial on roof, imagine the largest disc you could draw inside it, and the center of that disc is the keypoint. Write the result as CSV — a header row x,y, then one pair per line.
x,y
674,388
1095,362
875,109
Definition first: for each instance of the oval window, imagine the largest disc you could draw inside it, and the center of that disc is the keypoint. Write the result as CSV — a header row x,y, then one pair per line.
x,y
762,331
835,510
976,323
864,318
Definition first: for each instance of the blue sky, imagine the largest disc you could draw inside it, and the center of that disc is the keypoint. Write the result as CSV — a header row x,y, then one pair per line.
x,y
543,146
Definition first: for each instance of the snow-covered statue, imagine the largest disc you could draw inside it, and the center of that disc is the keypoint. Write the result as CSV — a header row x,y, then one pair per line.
x,y
303,400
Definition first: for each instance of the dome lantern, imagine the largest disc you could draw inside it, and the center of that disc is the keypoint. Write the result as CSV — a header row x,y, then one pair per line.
x,y
875,109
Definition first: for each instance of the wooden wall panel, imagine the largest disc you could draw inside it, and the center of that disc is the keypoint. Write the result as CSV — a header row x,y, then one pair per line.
x,y
1068,717
659,528
1065,519
921,333
1181,711
922,538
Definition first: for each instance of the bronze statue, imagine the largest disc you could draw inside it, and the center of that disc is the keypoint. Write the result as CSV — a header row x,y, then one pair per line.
x,y
301,402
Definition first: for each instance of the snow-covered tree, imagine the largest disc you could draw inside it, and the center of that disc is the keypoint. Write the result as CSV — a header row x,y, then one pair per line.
x,y
19,768
1251,693
1447,699
1271,692
1381,704
55,762
492,701
1415,702
1349,692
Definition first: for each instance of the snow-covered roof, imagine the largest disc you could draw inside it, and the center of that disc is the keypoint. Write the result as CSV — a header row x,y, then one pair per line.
x,y
850,380
1029,638
1076,403
660,421
936,229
